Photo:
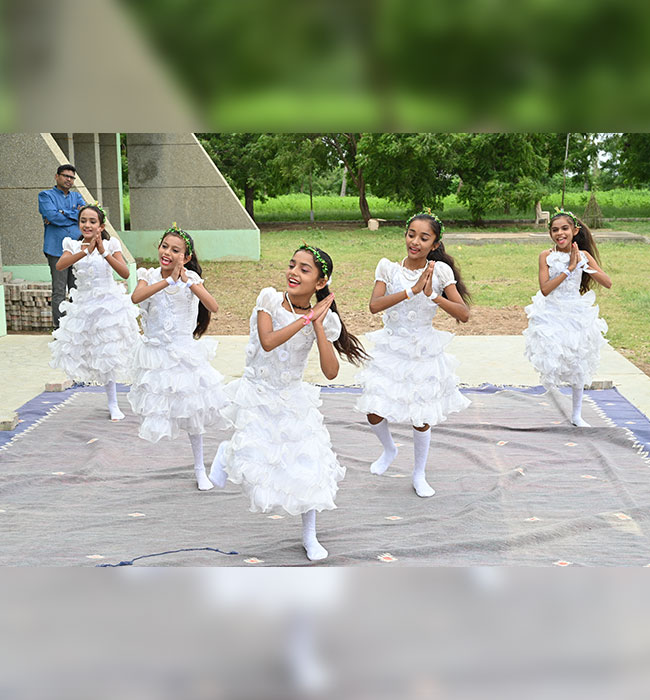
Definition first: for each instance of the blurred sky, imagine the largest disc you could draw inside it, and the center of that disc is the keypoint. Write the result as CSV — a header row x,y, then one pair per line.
x,y
385,65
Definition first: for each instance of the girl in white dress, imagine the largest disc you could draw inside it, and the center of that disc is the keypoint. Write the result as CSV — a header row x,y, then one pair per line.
x,y
410,378
564,333
281,452
98,332
174,386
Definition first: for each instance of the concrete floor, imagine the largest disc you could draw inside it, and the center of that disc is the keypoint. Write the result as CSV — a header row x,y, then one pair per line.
x,y
25,370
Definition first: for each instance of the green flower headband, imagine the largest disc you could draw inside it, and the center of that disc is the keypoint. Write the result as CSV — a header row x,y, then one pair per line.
x,y
561,212
317,256
97,205
178,232
427,212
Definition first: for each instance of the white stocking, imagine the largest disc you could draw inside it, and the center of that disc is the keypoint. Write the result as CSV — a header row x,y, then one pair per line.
x,y
202,480
113,408
421,441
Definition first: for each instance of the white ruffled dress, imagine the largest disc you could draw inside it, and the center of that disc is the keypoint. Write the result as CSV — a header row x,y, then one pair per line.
x,y
175,388
281,452
411,379
97,334
564,334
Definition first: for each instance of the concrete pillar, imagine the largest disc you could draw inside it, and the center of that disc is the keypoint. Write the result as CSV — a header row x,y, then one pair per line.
x,y
86,149
111,173
29,162
172,178
66,144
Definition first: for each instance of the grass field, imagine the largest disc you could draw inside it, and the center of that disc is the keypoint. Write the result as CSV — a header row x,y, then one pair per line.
x,y
502,278
295,207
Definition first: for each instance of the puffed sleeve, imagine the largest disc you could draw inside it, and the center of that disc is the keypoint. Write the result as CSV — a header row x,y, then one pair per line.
x,y
142,273
113,246
194,277
444,273
269,300
383,271
332,326
70,245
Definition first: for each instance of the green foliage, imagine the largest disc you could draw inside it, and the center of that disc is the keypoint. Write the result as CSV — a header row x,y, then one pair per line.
x,y
414,169
634,158
295,207
499,171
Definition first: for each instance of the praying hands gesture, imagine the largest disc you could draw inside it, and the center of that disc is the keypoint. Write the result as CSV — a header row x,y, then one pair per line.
x,y
179,272
320,310
574,258
425,281
98,243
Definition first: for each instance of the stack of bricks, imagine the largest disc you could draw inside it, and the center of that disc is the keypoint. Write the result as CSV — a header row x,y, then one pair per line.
x,y
28,305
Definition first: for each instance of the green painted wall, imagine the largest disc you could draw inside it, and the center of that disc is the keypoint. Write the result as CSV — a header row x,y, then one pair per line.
x,y
3,314
41,273
211,245
31,273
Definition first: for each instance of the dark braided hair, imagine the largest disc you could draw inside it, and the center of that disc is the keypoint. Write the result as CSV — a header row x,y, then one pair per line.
x,y
346,344
585,241
102,220
203,317
439,253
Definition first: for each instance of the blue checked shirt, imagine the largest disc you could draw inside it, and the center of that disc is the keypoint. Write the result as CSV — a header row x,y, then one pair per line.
x,y
62,211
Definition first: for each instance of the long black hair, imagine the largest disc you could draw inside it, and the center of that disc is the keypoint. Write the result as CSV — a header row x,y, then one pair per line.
x,y
346,344
585,241
102,220
203,317
439,253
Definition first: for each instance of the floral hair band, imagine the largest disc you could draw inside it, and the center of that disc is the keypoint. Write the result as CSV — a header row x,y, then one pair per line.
x,y
317,256
561,212
427,212
96,205
178,232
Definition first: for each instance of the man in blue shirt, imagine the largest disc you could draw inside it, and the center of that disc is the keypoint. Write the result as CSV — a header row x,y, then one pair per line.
x,y
59,208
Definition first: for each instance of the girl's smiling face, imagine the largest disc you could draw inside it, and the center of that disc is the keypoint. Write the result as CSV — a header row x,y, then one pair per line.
x,y
303,275
420,241
172,249
89,224
562,232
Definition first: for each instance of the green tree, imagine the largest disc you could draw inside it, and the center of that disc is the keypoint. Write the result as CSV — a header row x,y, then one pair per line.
x,y
414,169
500,171
300,158
633,152
248,162
345,147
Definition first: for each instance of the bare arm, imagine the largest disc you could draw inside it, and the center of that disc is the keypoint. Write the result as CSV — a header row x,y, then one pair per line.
x,y
453,304
205,297
329,362
271,339
379,301
600,276
68,259
547,285
144,291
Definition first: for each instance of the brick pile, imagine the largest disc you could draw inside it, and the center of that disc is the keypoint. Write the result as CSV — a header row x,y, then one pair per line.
x,y
28,305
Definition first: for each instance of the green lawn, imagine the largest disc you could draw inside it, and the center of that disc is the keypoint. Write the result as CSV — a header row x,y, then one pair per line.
x,y
295,207
500,275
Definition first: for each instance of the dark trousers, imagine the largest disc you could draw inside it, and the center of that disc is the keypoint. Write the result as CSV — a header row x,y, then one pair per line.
x,y
62,281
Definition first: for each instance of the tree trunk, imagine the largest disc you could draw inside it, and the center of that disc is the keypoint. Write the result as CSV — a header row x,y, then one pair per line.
x,y
249,200
311,200
363,202
344,183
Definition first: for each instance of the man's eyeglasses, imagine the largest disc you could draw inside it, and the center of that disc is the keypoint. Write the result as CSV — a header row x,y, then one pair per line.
x,y
69,177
